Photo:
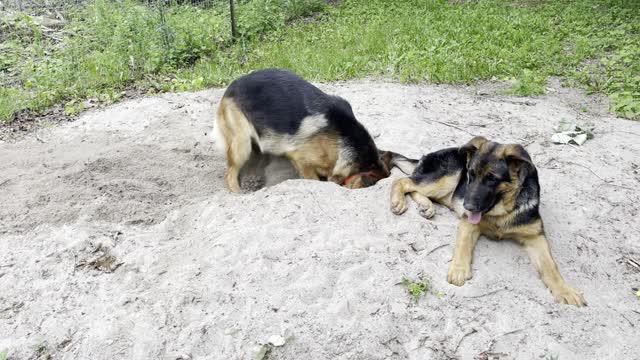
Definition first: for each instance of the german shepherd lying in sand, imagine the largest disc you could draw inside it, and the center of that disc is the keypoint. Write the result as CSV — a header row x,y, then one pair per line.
x,y
278,113
494,189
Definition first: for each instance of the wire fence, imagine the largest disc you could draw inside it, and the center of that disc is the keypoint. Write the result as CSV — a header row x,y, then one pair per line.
x,y
38,5
154,36
58,8
44,5
24,22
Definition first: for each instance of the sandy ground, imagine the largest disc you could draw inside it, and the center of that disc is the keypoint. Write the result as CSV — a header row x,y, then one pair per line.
x,y
118,240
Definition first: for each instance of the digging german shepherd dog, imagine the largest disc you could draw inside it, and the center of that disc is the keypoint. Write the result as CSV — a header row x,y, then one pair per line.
x,y
496,188
276,112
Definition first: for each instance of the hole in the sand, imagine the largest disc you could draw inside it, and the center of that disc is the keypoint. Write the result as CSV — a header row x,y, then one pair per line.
x,y
264,170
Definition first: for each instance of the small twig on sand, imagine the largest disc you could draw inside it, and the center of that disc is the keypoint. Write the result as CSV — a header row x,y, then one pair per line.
x,y
493,341
473,331
606,182
436,248
386,344
626,318
517,102
526,143
486,294
586,167
442,352
449,125
321,208
619,131
623,316
631,262
483,125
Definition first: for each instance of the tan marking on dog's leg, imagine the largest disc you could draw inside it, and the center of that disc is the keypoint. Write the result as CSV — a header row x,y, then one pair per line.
x,y
439,191
237,132
538,249
399,189
316,156
460,268
426,206
304,170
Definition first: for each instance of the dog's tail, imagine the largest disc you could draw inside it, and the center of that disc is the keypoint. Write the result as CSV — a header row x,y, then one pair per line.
x,y
405,164
216,134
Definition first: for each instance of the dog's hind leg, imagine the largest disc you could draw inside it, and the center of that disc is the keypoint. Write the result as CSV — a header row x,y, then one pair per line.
x,y
305,170
237,133
315,157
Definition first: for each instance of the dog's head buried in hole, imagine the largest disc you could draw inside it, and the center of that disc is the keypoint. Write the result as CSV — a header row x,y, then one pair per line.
x,y
276,112
496,174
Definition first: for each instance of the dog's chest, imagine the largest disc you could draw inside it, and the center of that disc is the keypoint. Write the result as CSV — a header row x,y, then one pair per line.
x,y
492,229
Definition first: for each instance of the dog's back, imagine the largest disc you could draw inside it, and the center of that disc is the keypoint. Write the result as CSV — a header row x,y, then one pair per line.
x,y
284,110
277,100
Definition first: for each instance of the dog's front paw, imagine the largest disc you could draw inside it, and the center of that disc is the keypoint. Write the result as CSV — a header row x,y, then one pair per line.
x,y
567,295
427,212
398,206
458,274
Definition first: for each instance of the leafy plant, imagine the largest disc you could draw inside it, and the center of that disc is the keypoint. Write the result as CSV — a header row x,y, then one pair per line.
x,y
529,83
73,108
419,288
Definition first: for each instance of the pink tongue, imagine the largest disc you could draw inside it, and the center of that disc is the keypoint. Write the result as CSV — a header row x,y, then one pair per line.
x,y
474,217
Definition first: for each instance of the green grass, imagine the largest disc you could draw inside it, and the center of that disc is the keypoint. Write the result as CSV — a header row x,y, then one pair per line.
x,y
529,83
107,46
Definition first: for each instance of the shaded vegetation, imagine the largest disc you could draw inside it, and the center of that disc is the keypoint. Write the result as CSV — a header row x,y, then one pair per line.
x,y
107,46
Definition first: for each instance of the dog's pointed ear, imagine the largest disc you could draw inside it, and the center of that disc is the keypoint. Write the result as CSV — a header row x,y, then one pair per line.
x,y
516,153
472,146
518,160
386,157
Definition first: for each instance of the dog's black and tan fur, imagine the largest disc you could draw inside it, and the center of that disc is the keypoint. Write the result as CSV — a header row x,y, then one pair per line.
x,y
276,112
494,189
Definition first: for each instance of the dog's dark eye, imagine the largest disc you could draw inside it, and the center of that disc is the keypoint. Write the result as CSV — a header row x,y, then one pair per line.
x,y
491,179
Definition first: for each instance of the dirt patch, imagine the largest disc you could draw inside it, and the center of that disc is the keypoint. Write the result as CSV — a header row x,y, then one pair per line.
x,y
119,240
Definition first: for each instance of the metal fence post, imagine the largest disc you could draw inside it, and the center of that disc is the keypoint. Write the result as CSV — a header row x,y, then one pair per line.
x,y
233,21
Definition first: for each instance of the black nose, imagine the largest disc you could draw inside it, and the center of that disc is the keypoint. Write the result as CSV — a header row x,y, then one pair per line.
x,y
471,207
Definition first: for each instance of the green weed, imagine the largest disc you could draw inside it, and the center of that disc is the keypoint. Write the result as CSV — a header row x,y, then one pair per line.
x,y
529,83
10,102
419,288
